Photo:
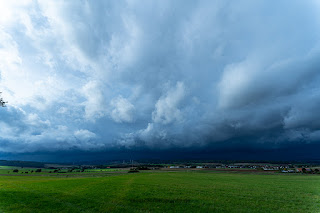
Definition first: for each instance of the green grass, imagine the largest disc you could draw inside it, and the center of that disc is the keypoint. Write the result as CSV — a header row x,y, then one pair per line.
x,y
162,192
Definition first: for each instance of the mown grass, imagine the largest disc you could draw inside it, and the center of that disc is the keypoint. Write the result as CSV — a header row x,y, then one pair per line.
x,y
162,192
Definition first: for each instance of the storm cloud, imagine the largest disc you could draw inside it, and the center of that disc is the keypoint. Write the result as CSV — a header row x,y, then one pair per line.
x,y
159,75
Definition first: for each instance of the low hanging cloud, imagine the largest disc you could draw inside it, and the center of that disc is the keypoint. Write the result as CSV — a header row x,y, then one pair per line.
x,y
158,74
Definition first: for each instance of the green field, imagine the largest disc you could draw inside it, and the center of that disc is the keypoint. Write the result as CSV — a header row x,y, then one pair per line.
x,y
185,191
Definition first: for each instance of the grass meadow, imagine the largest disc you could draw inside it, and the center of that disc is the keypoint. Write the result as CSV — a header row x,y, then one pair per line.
x,y
185,191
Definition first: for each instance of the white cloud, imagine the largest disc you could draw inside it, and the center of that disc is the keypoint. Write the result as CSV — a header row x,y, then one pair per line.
x,y
12,11
84,135
234,83
33,119
123,110
95,105
167,107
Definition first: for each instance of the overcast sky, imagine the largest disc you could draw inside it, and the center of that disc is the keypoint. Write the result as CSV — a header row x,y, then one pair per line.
x,y
159,75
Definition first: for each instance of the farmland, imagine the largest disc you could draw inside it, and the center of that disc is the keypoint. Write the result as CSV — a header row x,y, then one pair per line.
x,y
159,191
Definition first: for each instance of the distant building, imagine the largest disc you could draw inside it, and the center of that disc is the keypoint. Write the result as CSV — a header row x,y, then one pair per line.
x,y
301,169
175,167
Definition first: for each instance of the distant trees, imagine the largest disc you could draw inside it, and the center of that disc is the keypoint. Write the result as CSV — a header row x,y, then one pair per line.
x,y
15,170
38,170
133,170
142,168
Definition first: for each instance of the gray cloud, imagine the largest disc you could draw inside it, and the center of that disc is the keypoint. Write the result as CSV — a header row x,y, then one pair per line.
x,y
158,74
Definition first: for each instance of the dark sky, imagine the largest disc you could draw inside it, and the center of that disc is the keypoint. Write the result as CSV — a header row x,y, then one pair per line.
x,y
160,79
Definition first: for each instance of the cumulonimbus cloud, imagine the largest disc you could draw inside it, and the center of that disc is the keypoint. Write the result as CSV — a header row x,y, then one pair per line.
x,y
158,74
